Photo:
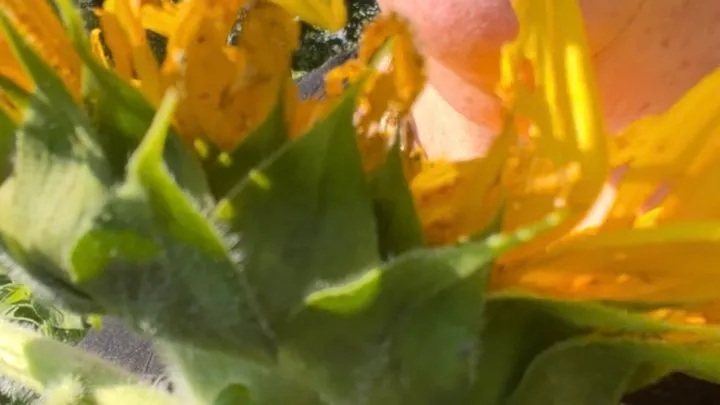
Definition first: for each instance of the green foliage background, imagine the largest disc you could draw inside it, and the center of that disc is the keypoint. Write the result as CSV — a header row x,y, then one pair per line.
x,y
318,46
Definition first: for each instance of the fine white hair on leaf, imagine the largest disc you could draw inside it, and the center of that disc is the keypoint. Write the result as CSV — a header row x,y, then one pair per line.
x,y
69,390
15,392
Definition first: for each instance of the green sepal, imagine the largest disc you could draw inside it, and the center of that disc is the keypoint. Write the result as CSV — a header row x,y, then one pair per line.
x,y
399,228
173,210
152,258
304,218
594,315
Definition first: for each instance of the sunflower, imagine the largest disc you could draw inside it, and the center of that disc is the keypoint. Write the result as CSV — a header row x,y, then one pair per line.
x,y
637,203
326,242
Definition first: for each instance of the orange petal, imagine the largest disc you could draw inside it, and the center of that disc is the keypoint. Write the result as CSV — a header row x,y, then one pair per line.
x,y
39,25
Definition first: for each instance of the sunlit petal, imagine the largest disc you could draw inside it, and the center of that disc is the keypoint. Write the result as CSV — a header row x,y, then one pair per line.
x,y
568,163
667,264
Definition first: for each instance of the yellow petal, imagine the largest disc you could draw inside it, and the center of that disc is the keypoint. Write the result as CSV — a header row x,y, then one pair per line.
x,y
269,35
228,91
124,31
678,150
674,263
570,165
388,89
328,14
198,63
159,16
119,45
98,48
393,76
460,199
697,197
388,50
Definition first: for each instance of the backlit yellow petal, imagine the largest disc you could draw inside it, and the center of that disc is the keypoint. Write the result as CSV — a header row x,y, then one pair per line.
x,y
670,263
98,48
679,151
697,197
568,164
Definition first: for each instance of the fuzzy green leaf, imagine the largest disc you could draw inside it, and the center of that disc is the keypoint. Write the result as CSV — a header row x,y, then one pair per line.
x,y
436,346
172,207
420,274
207,374
183,294
514,333
413,341
304,217
153,258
